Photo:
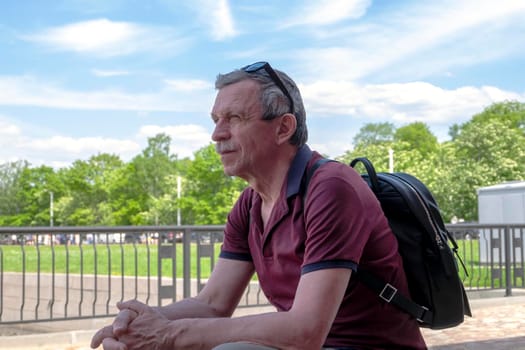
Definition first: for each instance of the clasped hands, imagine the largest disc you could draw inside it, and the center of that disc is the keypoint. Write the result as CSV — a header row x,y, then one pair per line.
x,y
137,326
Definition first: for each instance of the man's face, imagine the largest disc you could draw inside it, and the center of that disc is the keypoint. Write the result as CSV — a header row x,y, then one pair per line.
x,y
242,138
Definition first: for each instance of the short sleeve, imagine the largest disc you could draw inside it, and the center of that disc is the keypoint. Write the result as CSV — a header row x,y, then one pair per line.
x,y
340,214
235,245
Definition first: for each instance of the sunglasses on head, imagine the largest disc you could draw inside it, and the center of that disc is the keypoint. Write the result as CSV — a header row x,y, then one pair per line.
x,y
255,67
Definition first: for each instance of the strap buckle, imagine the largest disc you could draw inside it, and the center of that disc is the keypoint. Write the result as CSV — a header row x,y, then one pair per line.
x,y
388,293
423,313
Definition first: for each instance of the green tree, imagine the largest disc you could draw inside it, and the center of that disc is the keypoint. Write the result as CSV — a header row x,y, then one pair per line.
x,y
12,206
152,169
87,201
489,151
41,187
209,193
494,143
378,153
373,141
417,136
128,199
511,111
26,194
374,133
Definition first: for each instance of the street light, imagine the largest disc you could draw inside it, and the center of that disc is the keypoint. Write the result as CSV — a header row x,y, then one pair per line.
x,y
50,208
391,160
178,199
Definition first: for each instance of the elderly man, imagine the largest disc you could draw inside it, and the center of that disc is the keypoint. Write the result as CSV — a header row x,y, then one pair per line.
x,y
303,243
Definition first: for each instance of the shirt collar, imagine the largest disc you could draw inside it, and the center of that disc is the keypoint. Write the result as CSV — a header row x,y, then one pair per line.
x,y
297,168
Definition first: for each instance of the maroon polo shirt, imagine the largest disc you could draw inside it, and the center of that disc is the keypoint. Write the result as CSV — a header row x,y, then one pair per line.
x,y
340,224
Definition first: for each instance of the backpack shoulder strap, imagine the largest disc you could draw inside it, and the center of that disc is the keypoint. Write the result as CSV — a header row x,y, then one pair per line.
x,y
310,172
390,294
385,291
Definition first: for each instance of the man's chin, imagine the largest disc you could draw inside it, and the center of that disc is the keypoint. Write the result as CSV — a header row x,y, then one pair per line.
x,y
228,170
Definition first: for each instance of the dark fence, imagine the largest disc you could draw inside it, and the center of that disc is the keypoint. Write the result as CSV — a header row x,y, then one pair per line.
x,y
65,273
493,255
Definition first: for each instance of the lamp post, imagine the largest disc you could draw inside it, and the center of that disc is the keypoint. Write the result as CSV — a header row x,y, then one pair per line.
x,y
178,199
391,160
51,209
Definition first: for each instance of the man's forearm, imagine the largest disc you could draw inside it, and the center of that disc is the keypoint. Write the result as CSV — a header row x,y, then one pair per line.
x,y
190,308
276,329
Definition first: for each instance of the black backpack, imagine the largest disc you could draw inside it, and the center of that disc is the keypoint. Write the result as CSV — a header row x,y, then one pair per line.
x,y
437,296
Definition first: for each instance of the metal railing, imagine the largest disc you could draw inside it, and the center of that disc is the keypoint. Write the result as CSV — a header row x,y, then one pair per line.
x,y
66,273
493,255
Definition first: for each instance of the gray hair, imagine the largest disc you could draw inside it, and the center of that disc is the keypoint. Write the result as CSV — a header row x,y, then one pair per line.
x,y
273,100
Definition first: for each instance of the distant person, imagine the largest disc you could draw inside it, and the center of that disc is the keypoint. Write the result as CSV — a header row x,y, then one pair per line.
x,y
301,245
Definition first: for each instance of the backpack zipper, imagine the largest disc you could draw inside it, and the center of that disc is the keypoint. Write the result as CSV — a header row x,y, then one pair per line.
x,y
438,238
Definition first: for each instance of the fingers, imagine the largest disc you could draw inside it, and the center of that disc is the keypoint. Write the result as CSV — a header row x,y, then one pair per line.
x,y
98,338
134,305
113,344
107,336
122,321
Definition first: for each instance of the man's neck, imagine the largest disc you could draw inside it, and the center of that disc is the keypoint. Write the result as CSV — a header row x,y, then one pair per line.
x,y
273,176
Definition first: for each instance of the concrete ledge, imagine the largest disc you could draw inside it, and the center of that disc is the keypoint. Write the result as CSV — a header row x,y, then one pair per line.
x,y
43,340
77,339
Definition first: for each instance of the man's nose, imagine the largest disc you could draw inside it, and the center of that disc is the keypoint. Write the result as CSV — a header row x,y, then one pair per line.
x,y
221,130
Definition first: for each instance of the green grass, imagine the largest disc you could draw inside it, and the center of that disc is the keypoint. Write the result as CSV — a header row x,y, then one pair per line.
x,y
125,259
480,275
141,260
475,274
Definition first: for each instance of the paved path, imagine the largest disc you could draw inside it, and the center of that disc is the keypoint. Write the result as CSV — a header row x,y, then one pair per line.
x,y
498,323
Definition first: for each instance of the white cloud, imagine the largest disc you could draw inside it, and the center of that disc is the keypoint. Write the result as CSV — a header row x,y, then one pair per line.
x,y
222,24
28,91
108,73
324,12
371,69
105,38
18,143
334,147
82,145
216,15
56,150
188,85
186,139
10,134
402,103
418,41
7,129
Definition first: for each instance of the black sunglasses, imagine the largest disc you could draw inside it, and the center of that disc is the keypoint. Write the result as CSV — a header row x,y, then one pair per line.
x,y
255,67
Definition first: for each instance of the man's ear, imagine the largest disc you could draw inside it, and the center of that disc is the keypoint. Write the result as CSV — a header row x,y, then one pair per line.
x,y
286,127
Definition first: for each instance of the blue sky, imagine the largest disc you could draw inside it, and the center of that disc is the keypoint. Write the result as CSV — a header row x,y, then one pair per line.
x,y
80,77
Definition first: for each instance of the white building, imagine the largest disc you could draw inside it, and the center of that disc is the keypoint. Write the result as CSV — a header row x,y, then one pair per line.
x,y
501,204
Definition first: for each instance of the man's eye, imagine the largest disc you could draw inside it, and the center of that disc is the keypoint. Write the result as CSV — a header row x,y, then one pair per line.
x,y
234,118
230,119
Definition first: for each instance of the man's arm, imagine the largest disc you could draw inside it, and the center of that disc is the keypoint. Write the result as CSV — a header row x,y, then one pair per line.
x,y
305,326
218,298
220,295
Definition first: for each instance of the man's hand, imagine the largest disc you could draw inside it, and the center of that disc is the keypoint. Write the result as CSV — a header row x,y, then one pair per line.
x,y
107,339
108,336
139,326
